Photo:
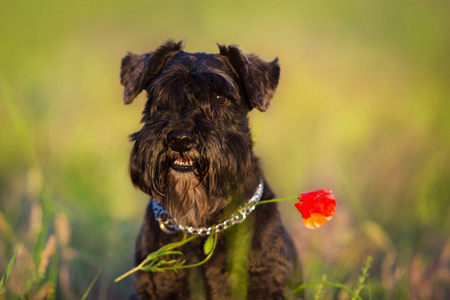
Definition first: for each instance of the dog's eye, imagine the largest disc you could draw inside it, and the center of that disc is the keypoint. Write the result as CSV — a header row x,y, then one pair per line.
x,y
221,98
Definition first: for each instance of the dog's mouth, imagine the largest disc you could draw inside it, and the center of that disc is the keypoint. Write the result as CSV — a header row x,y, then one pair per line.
x,y
182,164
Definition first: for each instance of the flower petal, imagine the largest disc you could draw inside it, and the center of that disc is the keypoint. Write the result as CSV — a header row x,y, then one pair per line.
x,y
317,207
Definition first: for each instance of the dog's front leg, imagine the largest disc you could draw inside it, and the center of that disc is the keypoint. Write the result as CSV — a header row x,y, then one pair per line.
x,y
158,285
215,273
163,285
268,258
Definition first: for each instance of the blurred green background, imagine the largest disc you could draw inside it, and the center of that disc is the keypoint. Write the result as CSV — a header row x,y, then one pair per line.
x,y
362,108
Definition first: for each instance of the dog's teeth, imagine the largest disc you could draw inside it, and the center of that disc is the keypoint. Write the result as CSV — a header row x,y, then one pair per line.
x,y
183,162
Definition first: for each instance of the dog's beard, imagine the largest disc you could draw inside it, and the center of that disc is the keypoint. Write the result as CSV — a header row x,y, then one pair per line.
x,y
187,200
184,194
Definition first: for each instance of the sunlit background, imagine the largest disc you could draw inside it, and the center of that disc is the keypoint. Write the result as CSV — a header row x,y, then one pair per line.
x,y
362,108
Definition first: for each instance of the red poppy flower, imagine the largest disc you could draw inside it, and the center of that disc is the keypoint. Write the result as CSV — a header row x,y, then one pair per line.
x,y
317,208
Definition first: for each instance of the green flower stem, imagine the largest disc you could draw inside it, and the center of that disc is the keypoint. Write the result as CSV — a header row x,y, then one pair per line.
x,y
330,283
193,265
154,255
278,200
269,201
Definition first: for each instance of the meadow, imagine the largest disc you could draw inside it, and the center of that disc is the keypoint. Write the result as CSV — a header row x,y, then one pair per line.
x,y
362,108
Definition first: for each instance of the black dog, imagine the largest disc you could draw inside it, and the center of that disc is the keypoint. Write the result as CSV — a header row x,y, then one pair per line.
x,y
194,157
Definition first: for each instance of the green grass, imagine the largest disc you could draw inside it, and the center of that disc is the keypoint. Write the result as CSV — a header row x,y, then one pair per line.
x,y
361,108
8,271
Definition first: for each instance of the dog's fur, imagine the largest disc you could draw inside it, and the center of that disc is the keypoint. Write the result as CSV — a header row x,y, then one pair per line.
x,y
196,115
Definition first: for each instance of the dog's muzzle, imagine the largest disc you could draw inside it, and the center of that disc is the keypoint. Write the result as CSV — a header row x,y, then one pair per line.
x,y
181,141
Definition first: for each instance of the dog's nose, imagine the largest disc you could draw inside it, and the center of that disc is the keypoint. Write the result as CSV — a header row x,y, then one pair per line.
x,y
180,140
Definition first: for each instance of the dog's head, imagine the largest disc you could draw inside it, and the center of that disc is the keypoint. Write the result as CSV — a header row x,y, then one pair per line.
x,y
194,149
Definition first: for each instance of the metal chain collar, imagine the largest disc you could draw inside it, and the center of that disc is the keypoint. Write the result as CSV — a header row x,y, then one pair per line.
x,y
169,225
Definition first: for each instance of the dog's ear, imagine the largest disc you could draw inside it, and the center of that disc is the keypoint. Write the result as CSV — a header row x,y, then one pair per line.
x,y
138,71
259,78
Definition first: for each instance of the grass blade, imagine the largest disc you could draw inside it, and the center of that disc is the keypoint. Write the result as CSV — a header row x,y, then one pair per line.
x,y
363,277
92,284
8,270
